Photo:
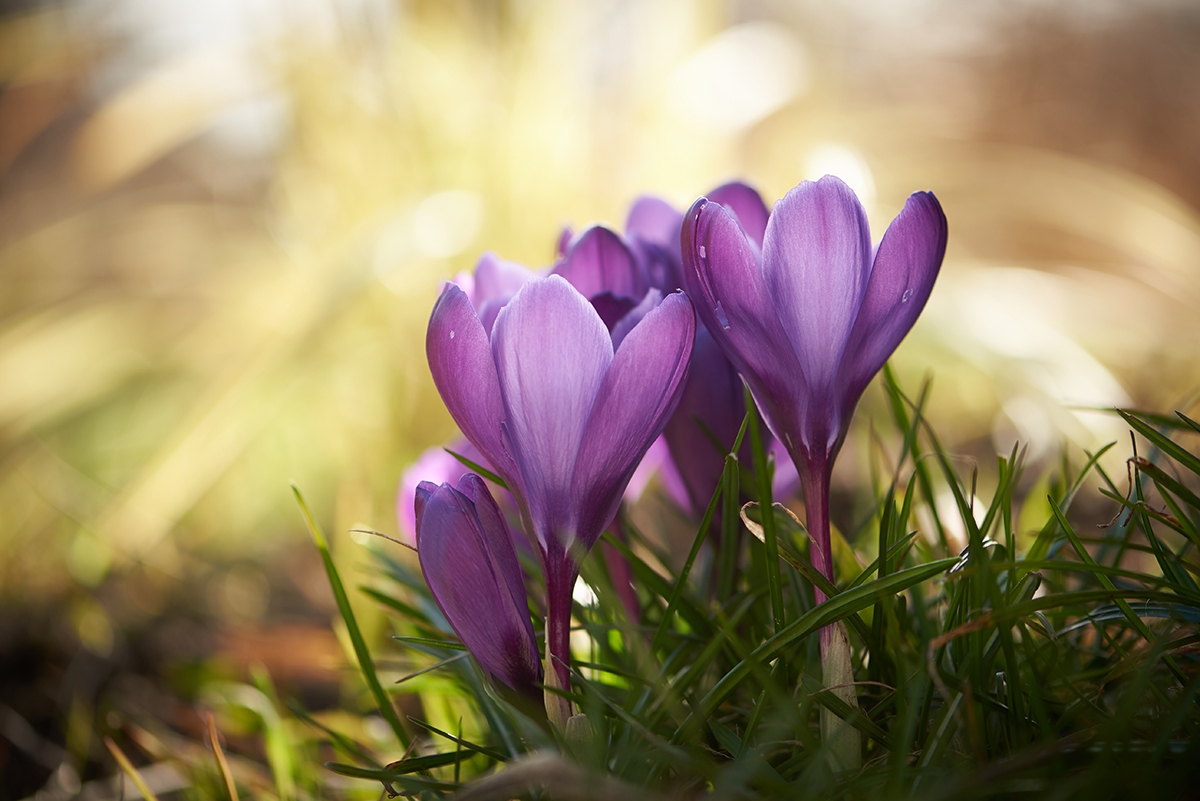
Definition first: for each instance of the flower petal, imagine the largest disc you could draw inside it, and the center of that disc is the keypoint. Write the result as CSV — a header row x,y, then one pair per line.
x,y
633,316
906,265
726,283
712,405
551,353
597,260
816,262
495,277
460,358
638,395
468,565
747,206
654,220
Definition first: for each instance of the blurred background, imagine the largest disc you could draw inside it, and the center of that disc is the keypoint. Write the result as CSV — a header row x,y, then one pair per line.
x,y
223,224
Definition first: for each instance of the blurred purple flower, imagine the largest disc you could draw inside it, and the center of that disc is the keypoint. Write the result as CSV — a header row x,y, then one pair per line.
x,y
471,568
434,465
563,410
810,317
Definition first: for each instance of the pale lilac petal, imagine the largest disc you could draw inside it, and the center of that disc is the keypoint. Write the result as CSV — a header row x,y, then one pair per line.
x,y
654,220
434,465
650,464
816,262
496,277
637,397
906,265
598,260
460,359
470,572
726,283
551,353
672,484
747,206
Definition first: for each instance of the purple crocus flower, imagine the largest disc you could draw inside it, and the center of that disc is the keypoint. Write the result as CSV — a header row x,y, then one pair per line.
x,y
811,317
471,568
564,410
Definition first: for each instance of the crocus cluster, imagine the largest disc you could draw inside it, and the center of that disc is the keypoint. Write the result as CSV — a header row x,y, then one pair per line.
x,y
562,379
563,409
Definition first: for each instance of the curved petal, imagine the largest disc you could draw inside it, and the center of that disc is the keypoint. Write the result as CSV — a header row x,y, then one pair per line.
x,y
435,465
468,567
747,206
496,277
460,358
712,405
638,395
499,542
726,283
654,220
633,316
598,260
816,263
551,353
906,265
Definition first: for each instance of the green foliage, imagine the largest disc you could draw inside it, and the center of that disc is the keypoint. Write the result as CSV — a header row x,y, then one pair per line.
x,y
1065,660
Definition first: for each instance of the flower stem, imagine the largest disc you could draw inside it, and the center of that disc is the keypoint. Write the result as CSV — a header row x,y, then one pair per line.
x,y
836,666
560,575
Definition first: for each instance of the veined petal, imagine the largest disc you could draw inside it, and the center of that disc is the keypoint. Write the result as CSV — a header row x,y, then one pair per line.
x,y
499,541
747,206
816,263
638,395
906,265
460,358
726,283
598,260
469,563
551,353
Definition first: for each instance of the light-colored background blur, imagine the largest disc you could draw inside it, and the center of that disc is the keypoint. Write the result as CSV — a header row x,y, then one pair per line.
x,y
223,224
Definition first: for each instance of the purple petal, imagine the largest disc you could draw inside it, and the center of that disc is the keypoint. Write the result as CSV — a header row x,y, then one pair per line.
x,y
498,539
726,283
460,358
712,405
496,277
421,496
612,308
906,265
473,574
599,261
639,394
656,455
655,221
551,352
747,206
434,465
634,316
816,262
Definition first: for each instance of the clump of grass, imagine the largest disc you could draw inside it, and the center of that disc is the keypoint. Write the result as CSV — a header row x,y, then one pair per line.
x,y
1061,663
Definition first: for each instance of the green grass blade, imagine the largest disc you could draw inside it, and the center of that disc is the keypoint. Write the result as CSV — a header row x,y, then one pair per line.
x,y
365,663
